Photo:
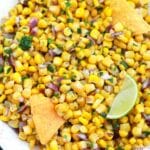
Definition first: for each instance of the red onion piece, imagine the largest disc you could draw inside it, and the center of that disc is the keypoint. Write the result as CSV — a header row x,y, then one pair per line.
x,y
53,87
1,60
33,22
146,84
23,108
88,37
115,34
147,118
34,31
82,136
11,61
51,53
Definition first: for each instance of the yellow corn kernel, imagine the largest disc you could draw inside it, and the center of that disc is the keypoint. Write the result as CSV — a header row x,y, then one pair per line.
x,y
89,88
66,56
22,136
46,79
55,9
38,58
32,69
93,137
26,93
1,49
107,61
92,59
28,83
101,108
80,12
96,103
67,31
108,12
2,87
129,54
53,145
4,118
97,121
16,77
118,27
78,88
130,61
146,56
83,120
27,130
9,29
26,11
125,127
19,67
83,129
136,131
86,115
95,34
57,61
132,141
2,98
42,23
102,143
16,95
75,129
139,108
123,133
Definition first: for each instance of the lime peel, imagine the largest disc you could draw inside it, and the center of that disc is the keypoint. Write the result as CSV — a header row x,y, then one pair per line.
x,y
125,99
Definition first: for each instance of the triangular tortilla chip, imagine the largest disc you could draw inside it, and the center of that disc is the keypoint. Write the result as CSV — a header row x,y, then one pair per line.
x,y
46,120
127,15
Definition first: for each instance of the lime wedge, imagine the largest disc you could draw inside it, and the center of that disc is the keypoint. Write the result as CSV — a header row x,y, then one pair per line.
x,y
125,100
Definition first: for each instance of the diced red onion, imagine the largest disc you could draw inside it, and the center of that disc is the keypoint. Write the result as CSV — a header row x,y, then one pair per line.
x,y
21,99
146,84
21,124
53,87
23,108
115,34
33,22
105,76
101,1
34,31
88,37
147,118
82,136
51,53
108,88
8,35
11,61
1,60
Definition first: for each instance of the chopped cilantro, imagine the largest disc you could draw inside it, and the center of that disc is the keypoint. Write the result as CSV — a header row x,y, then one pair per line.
x,y
111,80
68,4
1,69
51,68
8,51
89,44
103,114
8,70
124,64
25,42
73,77
25,77
56,94
146,133
119,148
70,20
79,30
49,40
100,73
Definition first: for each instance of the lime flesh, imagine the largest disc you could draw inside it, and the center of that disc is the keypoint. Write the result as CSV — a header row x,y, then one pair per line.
x,y
125,100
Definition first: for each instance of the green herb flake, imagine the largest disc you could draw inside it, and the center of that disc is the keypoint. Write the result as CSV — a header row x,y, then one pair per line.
x,y
124,64
25,42
146,133
25,77
119,148
89,44
51,68
103,114
79,30
49,40
56,94
111,80
8,51
1,69
8,70
70,20
68,4
100,73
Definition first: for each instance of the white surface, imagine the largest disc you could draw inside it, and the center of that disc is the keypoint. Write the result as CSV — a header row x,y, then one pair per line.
x,y
5,6
8,138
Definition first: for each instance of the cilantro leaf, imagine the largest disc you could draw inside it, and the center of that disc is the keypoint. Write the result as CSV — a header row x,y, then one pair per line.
x,y
25,42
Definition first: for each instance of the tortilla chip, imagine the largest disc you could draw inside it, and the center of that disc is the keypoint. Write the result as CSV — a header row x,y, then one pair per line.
x,y
46,120
127,15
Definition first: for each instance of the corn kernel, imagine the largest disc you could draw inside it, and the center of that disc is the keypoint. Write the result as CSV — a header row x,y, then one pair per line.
x,y
94,34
